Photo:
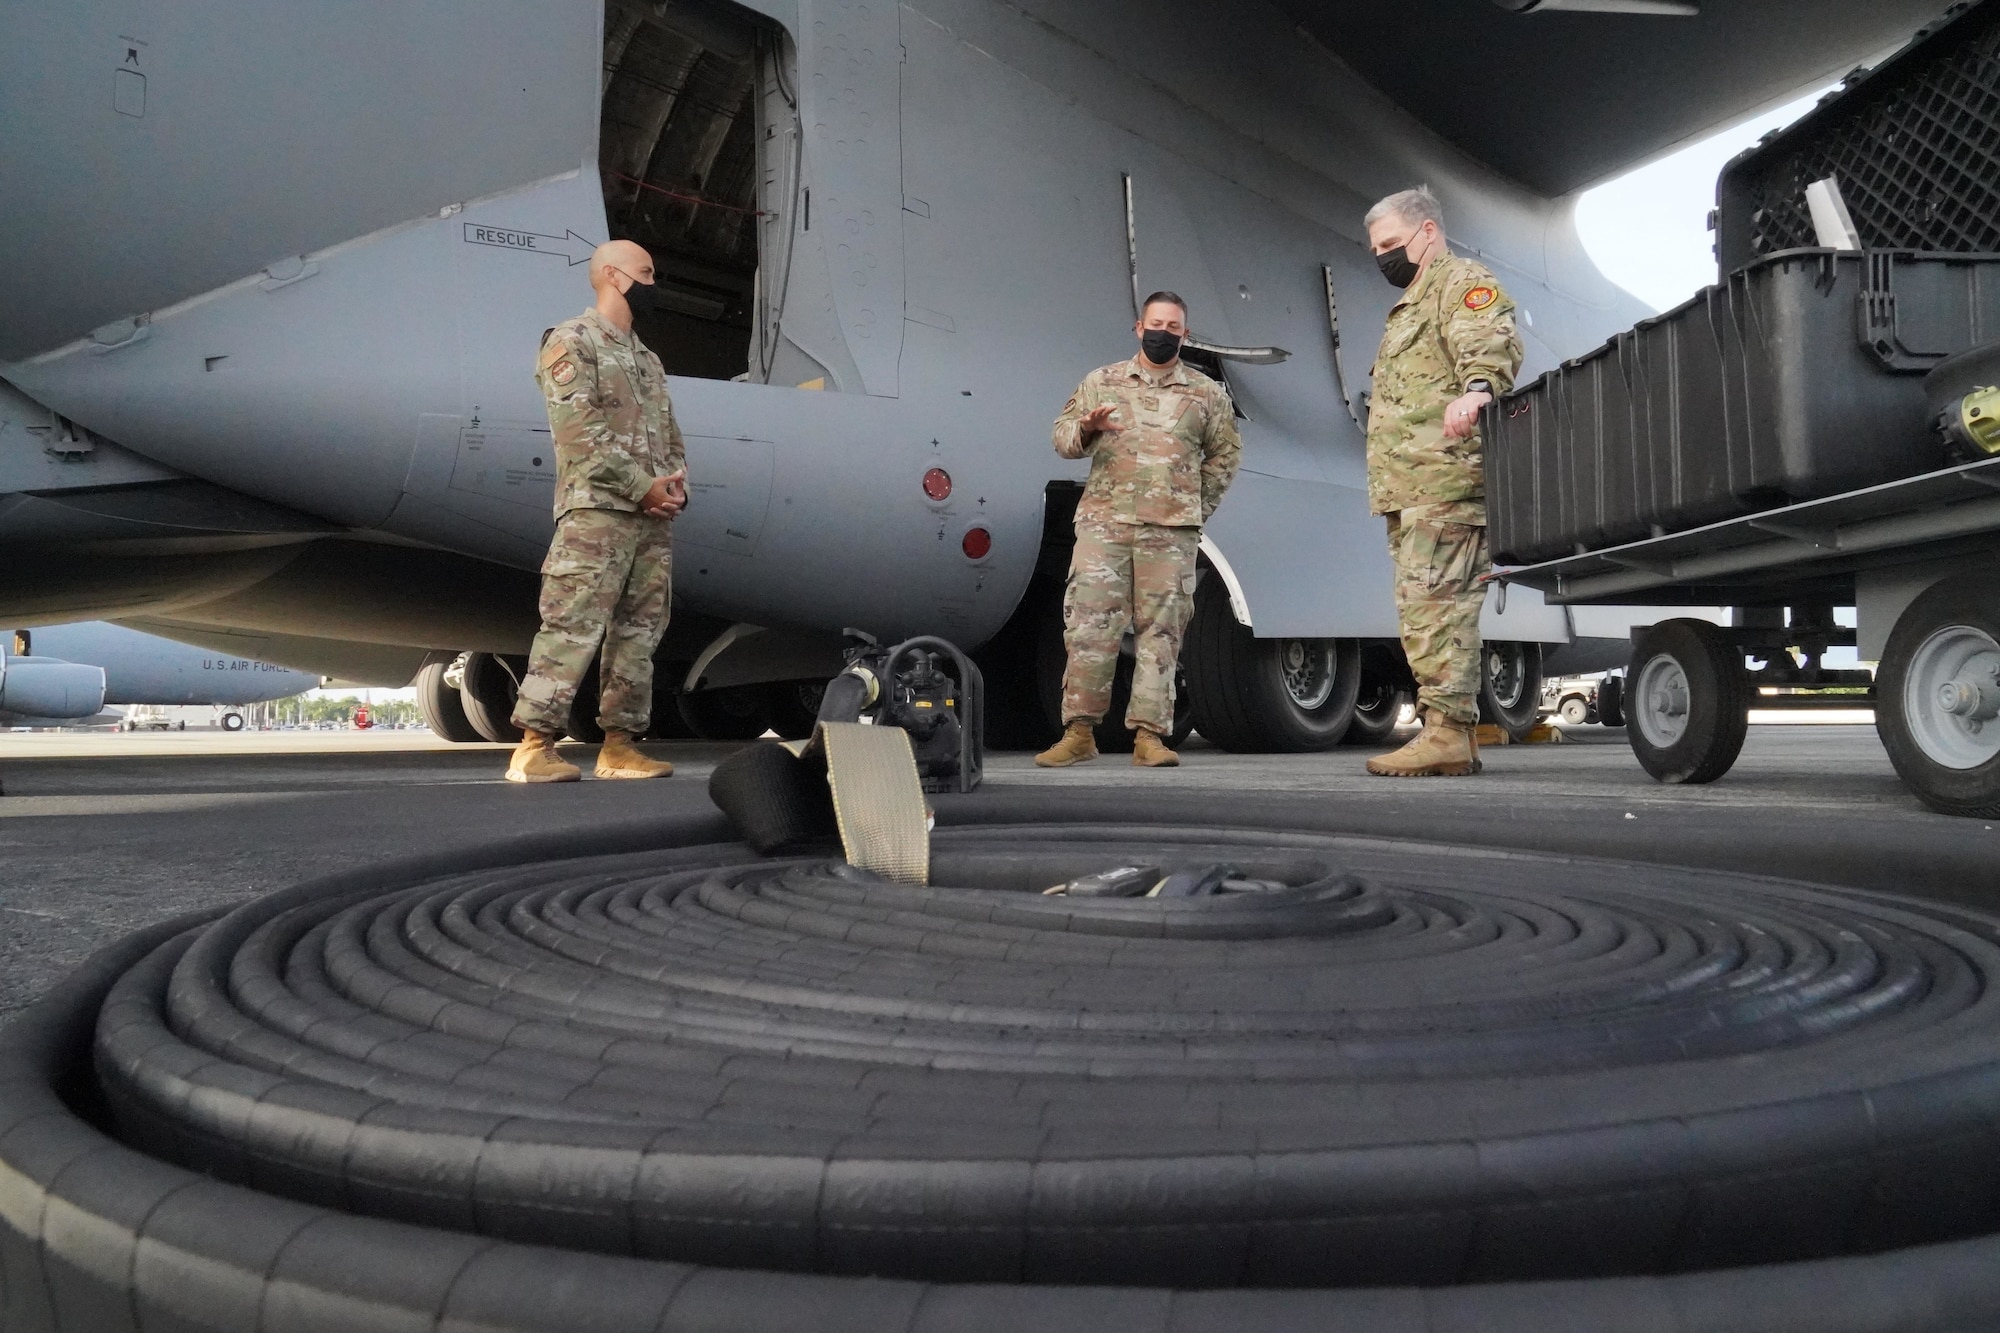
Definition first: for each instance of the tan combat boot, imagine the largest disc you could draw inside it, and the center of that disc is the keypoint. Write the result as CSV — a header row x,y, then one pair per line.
x,y
535,760
619,758
1078,745
1149,751
1444,749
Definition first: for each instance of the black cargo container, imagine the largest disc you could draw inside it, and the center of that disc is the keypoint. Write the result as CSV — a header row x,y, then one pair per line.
x,y
1914,143
1799,377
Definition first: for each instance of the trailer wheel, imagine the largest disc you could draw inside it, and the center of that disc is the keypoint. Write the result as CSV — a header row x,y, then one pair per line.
x,y
1938,697
1611,701
1266,696
1688,710
491,687
1575,710
1510,686
441,707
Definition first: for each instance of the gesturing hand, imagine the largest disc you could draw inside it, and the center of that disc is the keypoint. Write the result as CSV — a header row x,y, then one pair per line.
x,y
1098,421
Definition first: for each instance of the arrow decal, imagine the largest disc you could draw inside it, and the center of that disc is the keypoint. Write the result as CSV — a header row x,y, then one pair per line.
x,y
573,248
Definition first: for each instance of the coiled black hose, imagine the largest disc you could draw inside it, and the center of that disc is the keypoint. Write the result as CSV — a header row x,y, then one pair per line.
x,y
1411,1067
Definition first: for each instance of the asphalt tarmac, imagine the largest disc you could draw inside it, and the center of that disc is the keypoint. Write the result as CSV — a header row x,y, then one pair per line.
x,y
102,833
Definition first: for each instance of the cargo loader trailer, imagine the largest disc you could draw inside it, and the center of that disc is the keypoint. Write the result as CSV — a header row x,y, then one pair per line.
x,y
1919,560
1820,429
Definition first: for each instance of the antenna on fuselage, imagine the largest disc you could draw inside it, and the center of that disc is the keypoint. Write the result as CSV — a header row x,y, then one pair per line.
x,y
1258,356
1333,325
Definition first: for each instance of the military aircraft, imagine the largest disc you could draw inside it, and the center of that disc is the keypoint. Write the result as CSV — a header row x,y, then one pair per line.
x,y
274,275
147,669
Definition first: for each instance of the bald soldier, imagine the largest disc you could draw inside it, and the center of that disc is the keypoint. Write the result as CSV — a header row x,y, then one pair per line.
x,y
1449,348
621,476
1161,439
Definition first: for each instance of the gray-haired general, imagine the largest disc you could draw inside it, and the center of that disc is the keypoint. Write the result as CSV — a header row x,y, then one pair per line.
x,y
1449,348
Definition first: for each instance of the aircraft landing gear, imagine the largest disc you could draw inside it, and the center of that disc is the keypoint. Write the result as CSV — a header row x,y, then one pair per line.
x,y
735,713
440,704
791,707
232,721
1510,686
1386,690
1263,696
491,684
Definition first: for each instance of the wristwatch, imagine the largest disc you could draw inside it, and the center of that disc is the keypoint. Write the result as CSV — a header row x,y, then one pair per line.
x,y
1480,386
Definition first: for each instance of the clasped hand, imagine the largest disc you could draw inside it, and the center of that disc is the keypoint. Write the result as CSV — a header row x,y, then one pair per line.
x,y
666,497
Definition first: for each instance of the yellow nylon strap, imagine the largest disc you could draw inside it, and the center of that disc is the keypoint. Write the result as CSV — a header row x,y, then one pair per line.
x,y
878,799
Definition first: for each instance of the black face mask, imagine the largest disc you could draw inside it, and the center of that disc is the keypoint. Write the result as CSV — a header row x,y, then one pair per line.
x,y
1160,347
1397,266
645,298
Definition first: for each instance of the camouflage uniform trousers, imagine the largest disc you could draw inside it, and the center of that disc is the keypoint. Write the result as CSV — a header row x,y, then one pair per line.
x,y
606,581
1438,601
1141,574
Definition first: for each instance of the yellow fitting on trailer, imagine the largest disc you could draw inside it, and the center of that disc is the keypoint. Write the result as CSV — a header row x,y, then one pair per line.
x,y
1974,424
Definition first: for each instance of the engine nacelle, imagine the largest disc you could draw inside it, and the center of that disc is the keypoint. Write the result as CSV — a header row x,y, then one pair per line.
x,y
46,687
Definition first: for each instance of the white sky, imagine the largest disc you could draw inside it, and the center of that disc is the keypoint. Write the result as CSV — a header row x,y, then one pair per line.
x,y
1648,230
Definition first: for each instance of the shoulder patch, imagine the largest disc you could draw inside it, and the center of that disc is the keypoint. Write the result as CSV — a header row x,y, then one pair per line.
x,y
562,372
1480,297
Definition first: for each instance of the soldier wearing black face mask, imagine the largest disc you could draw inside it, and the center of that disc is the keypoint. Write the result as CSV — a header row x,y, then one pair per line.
x,y
1448,348
621,478
1161,439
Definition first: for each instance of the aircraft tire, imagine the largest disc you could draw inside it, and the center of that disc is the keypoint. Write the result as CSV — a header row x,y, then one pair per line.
x,y
636,1077
1379,700
734,713
1510,686
440,706
488,698
1688,711
791,707
667,724
1948,639
1265,696
232,721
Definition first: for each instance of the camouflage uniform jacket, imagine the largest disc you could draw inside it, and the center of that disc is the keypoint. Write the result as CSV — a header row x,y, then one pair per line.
x,y
614,426
1175,457
1453,326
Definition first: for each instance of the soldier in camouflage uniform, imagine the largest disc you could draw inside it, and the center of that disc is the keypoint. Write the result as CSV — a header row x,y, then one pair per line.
x,y
621,475
1449,348
1161,439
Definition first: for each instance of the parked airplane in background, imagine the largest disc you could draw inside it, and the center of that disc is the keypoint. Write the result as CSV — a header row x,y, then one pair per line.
x,y
274,276
136,668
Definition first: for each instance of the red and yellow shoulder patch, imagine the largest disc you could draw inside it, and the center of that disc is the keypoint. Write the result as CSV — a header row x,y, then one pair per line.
x,y
562,372
1480,297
